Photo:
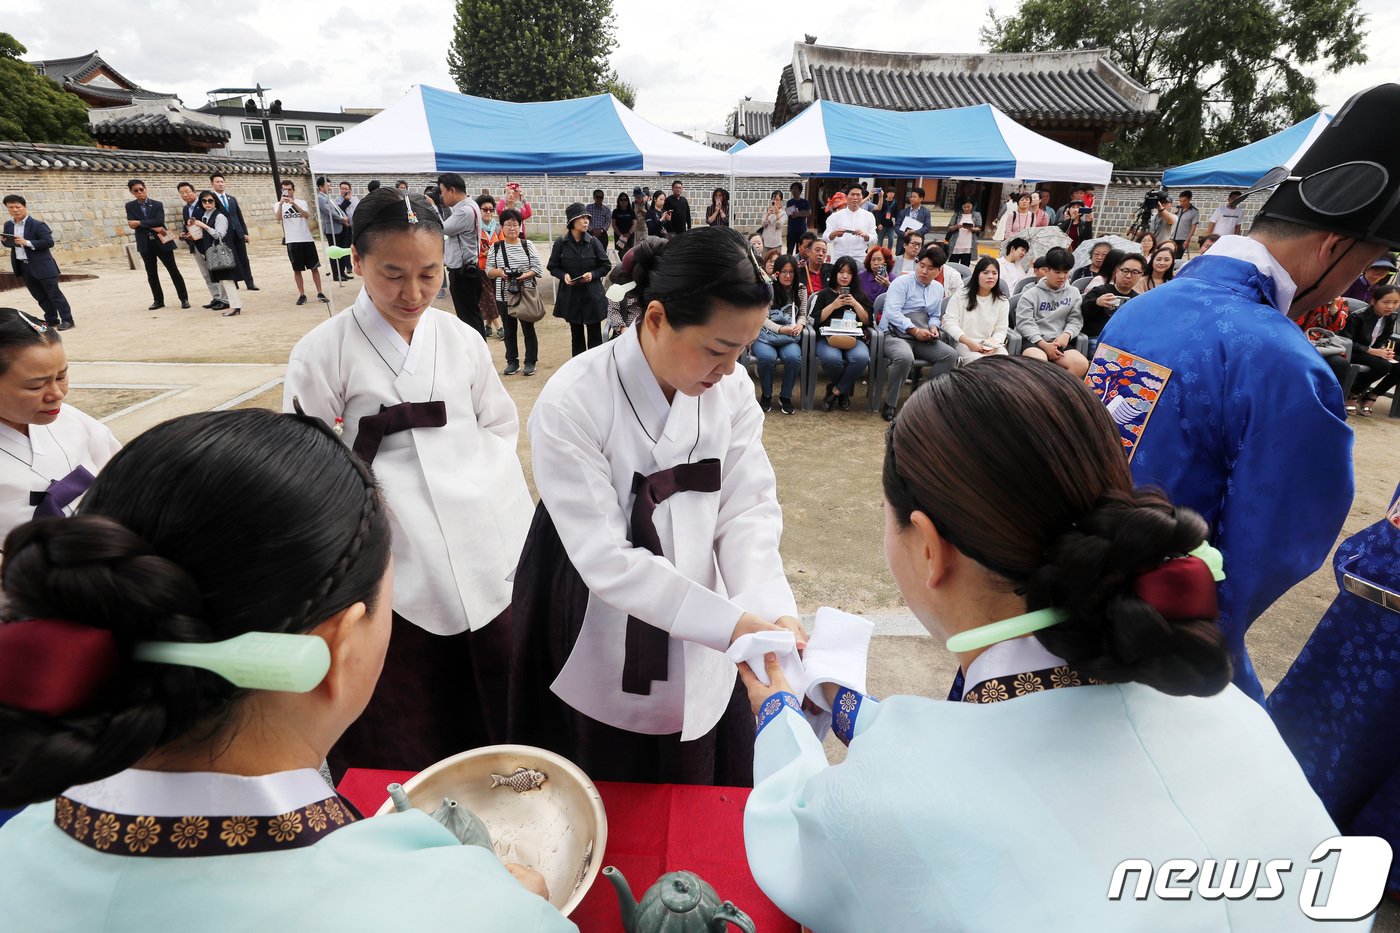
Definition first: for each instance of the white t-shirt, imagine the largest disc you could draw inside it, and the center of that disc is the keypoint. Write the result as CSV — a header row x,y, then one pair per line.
x,y
1226,220
848,244
295,228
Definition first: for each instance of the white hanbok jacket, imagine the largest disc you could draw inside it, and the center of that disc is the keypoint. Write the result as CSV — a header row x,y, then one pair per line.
x,y
458,504
599,421
51,452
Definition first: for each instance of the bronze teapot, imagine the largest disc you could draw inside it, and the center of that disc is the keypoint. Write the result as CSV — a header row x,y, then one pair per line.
x,y
679,902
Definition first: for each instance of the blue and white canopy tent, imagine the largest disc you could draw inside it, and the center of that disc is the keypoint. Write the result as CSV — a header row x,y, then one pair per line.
x,y
430,130
739,146
1242,167
831,140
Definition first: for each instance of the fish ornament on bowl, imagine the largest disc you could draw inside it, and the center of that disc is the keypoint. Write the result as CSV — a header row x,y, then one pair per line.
x,y
527,805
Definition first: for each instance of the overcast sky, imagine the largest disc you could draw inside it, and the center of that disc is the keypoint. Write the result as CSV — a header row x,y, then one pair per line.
x,y
367,53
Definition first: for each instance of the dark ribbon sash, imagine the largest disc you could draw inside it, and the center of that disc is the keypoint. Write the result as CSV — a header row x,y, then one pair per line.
x,y
646,658
61,493
395,418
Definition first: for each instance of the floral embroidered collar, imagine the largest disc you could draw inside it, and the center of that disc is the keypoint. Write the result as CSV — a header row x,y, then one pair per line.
x,y
1016,668
165,814
186,836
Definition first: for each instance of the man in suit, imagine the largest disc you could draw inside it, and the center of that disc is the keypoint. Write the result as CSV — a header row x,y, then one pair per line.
x,y
333,220
238,237
218,299
30,241
147,218
676,210
348,202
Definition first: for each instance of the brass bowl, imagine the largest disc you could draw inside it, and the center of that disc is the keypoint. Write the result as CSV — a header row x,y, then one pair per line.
x,y
560,829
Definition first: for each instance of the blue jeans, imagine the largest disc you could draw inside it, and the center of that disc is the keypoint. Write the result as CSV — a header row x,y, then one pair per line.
x,y
888,237
768,355
843,367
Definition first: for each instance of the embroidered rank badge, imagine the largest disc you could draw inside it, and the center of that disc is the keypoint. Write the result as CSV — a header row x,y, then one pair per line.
x,y
1130,387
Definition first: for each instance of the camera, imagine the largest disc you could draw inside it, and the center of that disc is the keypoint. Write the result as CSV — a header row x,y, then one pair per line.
x,y
1151,203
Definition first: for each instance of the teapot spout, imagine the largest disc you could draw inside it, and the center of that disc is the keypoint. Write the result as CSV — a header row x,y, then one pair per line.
x,y
626,902
400,798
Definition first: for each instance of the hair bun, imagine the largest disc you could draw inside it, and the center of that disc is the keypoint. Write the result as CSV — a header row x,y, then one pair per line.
x,y
638,263
1112,633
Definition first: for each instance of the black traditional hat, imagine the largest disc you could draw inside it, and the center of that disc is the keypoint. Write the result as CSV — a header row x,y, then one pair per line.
x,y
1348,182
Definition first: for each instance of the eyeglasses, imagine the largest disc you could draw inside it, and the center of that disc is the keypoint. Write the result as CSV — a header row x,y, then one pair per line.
x,y
1130,272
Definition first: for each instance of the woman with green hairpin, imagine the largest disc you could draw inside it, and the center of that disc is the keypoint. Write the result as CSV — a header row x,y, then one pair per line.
x,y
170,767
1098,724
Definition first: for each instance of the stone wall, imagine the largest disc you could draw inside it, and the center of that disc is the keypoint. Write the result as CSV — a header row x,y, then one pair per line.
x,y
81,192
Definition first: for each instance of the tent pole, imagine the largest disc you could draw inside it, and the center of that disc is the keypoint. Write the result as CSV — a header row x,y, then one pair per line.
x,y
325,234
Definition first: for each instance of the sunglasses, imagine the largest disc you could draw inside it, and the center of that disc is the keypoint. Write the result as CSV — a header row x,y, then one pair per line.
x,y
206,200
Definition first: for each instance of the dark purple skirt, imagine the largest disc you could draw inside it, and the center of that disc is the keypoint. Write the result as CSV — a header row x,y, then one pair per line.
x,y
438,695
547,611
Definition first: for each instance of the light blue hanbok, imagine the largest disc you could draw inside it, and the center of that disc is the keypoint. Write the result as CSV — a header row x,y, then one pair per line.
x,y
1008,816
148,852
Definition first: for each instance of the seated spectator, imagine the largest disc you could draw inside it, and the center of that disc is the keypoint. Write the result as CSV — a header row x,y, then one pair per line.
x,y
950,279
912,317
1362,288
1075,226
1370,332
815,269
1148,243
875,277
1048,317
769,258
1038,267
1095,264
1122,270
962,234
1206,243
913,246
977,315
842,299
1159,271
781,336
804,245
1010,263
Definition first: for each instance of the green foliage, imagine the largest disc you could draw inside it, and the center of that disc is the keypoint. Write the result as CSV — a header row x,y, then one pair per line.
x,y
1228,71
622,90
32,108
527,50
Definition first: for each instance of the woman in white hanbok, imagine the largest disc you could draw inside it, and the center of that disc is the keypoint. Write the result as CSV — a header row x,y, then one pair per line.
x,y
417,397
1098,725
49,451
655,544
164,797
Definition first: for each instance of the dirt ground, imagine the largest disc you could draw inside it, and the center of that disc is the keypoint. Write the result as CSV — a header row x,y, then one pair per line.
x,y
139,367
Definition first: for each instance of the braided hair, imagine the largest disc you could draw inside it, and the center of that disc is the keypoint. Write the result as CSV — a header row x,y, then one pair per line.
x,y
987,434
202,529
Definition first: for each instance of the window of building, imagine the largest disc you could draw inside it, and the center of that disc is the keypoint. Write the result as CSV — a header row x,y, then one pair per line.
x,y
324,133
253,133
291,133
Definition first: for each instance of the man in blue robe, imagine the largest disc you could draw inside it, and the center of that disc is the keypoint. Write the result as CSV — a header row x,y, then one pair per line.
x,y
1219,397
1338,705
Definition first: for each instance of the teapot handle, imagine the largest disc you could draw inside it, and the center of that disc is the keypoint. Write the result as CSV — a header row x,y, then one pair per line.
x,y
728,914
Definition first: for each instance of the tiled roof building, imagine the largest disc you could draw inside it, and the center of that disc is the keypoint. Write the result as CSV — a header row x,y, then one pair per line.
x,y
1079,97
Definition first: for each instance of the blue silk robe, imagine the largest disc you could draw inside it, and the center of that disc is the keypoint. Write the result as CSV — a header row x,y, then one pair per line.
x,y
1338,707
1223,403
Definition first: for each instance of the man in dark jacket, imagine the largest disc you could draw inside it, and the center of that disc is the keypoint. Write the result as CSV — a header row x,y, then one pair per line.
x,y
676,215
238,235
147,218
29,240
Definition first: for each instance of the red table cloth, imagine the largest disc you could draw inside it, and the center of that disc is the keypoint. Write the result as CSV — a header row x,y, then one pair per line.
x,y
652,829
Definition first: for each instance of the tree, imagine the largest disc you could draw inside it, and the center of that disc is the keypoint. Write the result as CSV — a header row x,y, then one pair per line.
x,y
622,90
531,49
32,108
1228,71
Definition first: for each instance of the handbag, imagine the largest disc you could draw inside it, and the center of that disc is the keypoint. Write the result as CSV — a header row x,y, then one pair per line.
x,y
219,257
523,301
1325,342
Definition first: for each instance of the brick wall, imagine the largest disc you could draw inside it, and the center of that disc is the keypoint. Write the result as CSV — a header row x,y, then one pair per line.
x,y
1115,212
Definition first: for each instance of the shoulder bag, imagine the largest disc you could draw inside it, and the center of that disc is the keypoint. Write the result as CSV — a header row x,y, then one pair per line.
x,y
523,301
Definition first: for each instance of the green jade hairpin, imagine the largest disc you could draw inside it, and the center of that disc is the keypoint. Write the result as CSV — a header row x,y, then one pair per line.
x,y
1017,626
253,660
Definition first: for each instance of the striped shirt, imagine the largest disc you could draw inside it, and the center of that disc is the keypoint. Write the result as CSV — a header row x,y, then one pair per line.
x,y
519,255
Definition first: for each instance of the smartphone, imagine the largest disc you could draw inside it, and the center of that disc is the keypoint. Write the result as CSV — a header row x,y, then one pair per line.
x,y
843,291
